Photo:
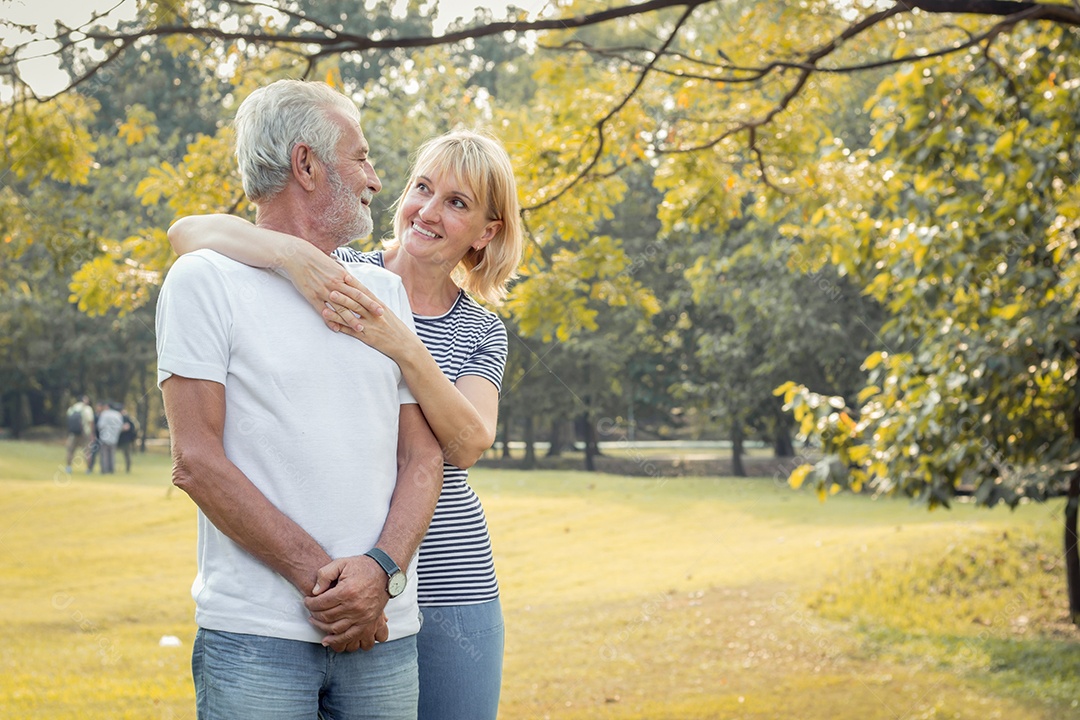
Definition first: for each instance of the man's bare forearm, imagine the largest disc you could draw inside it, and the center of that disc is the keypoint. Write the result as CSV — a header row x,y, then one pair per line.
x,y
196,411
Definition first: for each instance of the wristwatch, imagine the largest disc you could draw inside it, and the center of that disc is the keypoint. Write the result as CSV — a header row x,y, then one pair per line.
x,y
395,579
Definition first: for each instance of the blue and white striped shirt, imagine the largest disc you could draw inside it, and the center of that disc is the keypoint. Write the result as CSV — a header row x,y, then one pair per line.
x,y
455,564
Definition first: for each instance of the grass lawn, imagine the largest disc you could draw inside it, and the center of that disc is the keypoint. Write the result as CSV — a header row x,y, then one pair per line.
x,y
624,598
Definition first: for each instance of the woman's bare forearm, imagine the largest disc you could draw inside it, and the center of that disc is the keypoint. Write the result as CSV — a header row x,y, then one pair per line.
x,y
238,239
311,271
463,418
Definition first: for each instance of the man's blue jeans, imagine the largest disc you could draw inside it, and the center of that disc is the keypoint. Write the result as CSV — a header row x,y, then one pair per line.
x,y
251,677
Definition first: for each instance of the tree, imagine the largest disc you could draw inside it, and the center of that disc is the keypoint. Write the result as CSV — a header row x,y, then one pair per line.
x,y
963,219
766,312
42,336
74,164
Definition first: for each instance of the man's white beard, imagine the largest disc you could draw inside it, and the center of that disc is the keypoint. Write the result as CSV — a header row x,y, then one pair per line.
x,y
348,218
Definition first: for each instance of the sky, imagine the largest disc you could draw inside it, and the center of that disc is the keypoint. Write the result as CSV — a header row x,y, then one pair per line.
x,y
44,76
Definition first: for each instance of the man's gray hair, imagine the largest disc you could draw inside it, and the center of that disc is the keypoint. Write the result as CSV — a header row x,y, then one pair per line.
x,y
273,120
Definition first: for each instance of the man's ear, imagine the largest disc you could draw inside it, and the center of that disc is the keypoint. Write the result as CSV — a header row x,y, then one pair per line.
x,y
304,166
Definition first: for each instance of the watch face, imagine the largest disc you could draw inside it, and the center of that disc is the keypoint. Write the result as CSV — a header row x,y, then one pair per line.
x,y
396,584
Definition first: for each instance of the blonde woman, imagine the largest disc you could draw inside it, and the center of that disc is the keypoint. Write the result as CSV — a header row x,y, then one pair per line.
x,y
457,231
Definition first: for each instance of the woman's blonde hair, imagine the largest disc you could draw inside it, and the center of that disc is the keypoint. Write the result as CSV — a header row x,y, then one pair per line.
x,y
479,161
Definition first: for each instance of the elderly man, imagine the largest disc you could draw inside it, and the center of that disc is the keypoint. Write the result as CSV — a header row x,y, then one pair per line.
x,y
313,469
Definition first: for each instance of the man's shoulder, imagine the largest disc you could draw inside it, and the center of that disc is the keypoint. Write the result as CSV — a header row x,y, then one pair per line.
x,y
373,275
198,260
205,270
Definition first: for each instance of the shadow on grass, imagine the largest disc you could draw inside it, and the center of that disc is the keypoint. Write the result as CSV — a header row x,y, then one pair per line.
x,y
1041,668
991,609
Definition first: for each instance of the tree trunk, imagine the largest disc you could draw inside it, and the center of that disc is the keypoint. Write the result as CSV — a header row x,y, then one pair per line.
x,y
557,437
14,403
589,433
530,443
1072,554
11,412
782,445
737,468
142,408
506,419
58,414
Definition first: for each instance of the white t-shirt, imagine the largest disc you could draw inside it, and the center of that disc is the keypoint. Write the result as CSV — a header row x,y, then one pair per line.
x,y
311,419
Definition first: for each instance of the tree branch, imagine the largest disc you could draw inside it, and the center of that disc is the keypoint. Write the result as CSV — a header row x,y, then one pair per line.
x,y
615,110
339,42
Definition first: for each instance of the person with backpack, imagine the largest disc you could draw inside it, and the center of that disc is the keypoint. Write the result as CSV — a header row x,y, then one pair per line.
x,y
129,432
80,428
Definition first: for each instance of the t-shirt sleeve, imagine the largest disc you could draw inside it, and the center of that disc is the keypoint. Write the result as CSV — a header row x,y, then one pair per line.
x,y
404,311
193,322
488,360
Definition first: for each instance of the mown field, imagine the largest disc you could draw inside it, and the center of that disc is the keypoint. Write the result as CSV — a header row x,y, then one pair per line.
x,y
624,598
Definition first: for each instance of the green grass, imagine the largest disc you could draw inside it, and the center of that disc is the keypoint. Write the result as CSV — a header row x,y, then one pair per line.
x,y
44,462
624,598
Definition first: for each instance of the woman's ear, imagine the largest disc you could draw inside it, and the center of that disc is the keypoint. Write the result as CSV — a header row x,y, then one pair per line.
x,y
490,231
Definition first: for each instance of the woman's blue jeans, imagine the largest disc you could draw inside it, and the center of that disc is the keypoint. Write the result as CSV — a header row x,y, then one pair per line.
x,y
460,655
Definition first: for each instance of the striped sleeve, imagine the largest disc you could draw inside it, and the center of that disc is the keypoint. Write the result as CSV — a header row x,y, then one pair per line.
x,y
488,360
348,254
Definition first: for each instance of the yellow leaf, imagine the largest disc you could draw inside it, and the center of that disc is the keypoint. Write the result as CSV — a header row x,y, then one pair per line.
x,y
788,387
867,392
333,79
132,133
846,421
798,476
1008,312
874,359
1004,144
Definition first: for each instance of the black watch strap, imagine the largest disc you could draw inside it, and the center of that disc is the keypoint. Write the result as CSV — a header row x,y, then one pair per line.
x,y
385,561
395,579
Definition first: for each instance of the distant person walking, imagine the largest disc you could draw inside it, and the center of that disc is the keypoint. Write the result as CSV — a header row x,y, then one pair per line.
x,y
94,446
129,433
109,425
80,429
